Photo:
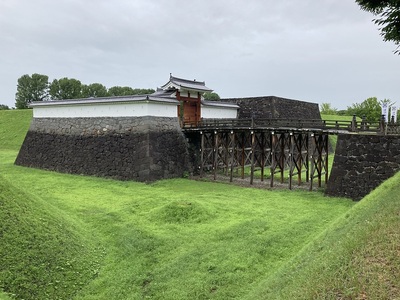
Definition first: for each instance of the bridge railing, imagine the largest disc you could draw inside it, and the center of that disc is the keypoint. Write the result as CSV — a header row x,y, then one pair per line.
x,y
363,126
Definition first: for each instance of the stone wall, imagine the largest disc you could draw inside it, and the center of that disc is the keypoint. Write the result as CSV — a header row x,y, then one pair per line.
x,y
141,149
272,107
361,163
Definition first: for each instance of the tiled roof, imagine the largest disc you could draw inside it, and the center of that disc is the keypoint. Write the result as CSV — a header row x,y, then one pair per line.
x,y
187,84
152,97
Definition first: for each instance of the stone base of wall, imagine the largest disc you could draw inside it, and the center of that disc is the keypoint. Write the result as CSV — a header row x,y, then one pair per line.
x,y
362,163
141,149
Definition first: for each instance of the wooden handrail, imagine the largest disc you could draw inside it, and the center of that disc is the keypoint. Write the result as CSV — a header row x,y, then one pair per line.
x,y
351,126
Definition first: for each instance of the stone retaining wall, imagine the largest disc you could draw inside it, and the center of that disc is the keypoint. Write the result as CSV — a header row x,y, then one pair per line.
x,y
271,107
361,163
141,149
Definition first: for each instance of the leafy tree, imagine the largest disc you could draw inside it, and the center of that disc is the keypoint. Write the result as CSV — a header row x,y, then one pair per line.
x,y
370,108
30,89
120,91
127,91
4,107
327,109
65,88
94,90
388,18
142,91
211,96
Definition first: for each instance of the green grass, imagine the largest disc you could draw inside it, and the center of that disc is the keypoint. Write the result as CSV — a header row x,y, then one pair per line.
x,y
44,254
357,257
181,239
77,237
13,126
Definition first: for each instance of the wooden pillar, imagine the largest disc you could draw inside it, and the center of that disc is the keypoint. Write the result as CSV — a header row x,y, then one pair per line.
x,y
215,151
282,157
291,158
243,158
262,146
274,142
201,154
326,146
253,139
312,147
232,154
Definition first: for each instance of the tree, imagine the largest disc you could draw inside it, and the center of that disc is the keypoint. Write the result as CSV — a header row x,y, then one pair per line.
x,y
4,107
211,96
370,108
65,88
388,18
327,109
120,91
127,91
143,91
30,89
94,90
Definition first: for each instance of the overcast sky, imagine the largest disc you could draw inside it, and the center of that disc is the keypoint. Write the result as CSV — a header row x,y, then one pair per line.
x,y
311,50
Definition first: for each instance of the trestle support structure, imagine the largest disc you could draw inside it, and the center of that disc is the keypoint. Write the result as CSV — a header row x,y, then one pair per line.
x,y
291,157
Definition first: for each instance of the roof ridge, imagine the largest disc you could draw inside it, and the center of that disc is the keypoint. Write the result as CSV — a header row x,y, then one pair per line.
x,y
172,78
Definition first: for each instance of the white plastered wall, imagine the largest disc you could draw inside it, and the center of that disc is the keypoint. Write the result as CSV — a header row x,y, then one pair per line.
x,y
218,112
133,109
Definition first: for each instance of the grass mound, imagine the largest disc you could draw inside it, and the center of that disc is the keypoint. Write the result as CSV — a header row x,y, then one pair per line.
x,y
358,257
183,212
42,255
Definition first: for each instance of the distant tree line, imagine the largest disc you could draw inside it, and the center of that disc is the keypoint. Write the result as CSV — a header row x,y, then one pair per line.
x,y
36,87
370,108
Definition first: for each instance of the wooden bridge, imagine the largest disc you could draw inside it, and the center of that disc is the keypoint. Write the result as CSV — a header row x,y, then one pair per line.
x,y
272,149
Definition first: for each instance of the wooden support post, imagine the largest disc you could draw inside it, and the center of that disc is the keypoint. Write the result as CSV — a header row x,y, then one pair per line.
x,y
319,166
273,157
307,159
232,155
326,159
262,146
282,157
312,147
253,139
215,164
290,158
243,154
201,154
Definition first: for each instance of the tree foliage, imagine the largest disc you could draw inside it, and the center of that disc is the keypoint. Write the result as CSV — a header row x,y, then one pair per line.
x,y
37,88
93,90
65,88
120,91
4,107
211,96
371,108
30,89
127,91
388,18
327,109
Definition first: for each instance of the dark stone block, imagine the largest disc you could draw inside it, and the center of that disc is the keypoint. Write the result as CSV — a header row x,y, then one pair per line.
x,y
363,171
90,150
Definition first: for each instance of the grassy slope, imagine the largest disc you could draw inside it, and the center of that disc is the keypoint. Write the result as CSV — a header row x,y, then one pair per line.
x,y
13,127
358,257
43,253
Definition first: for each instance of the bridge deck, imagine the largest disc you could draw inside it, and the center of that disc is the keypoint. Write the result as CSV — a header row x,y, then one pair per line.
x,y
329,127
